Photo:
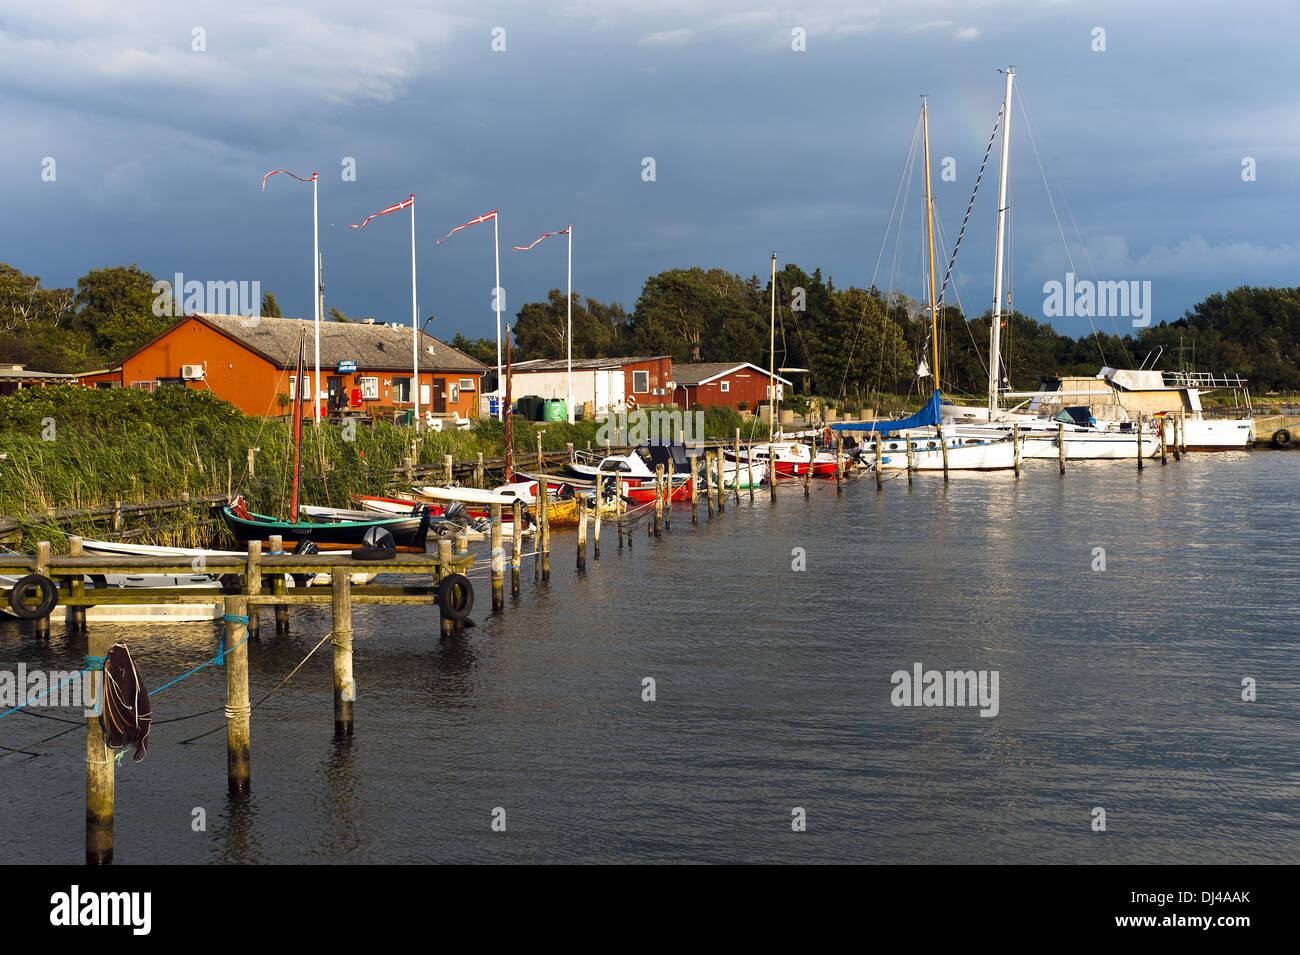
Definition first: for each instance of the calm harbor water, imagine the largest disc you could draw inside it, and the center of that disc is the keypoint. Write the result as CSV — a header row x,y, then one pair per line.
x,y
1118,689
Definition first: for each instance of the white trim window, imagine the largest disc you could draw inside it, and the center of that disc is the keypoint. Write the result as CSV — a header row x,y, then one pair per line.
x,y
369,388
467,384
640,382
724,386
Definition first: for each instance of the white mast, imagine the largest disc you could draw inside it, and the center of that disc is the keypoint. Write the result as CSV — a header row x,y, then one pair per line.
x,y
771,375
569,303
496,301
415,327
995,333
315,229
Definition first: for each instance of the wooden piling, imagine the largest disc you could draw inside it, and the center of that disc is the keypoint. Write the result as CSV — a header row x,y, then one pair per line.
x,y
668,494
807,478
943,450
1060,445
239,741
544,495
911,459
839,463
695,481
1138,432
708,481
517,554
451,476
253,586
498,559
100,782
539,451
880,473
1177,454
344,687
42,567
1161,423
722,493
582,532
771,465
279,588
76,588
737,472
620,509
117,509
1182,430
1015,448
595,524
659,499
445,625
749,467
478,471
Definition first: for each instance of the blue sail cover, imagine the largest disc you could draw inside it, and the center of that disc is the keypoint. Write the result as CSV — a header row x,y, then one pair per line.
x,y
927,417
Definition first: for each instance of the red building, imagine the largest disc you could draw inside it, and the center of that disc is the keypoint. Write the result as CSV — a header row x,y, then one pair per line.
x,y
250,362
741,387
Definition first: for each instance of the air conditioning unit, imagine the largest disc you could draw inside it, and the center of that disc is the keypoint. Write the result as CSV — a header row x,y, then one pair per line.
x,y
193,372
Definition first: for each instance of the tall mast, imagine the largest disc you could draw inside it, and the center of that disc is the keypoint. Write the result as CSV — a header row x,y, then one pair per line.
x,y
929,228
771,366
995,333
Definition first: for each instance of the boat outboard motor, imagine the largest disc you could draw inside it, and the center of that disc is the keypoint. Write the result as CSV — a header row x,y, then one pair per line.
x,y
305,547
378,544
455,511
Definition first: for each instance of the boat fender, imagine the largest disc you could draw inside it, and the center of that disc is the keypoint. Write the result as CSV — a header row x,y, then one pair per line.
x,y
455,597
24,588
1282,438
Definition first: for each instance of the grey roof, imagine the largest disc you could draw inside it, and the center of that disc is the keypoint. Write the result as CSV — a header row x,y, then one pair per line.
x,y
373,347
23,374
692,375
580,364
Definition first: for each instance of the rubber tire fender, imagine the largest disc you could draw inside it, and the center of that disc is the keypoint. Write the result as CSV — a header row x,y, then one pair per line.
x,y
455,597
49,597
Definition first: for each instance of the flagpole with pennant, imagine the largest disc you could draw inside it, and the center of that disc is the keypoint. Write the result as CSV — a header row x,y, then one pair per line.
x,y
315,269
568,299
496,294
415,326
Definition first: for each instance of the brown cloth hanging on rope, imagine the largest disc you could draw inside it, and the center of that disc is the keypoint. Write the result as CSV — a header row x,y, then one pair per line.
x,y
127,714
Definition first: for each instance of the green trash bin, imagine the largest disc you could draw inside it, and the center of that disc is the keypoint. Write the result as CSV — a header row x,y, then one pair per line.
x,y
408,418
555,410
530,407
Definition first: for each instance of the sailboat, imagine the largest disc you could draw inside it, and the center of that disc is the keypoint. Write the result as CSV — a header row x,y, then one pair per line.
x,y
919,442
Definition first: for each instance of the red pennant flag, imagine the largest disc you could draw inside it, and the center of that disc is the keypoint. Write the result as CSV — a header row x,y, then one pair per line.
x,y
475,221
393,208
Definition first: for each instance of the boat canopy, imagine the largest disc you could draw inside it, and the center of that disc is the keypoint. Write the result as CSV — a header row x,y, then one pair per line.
x,y
927,417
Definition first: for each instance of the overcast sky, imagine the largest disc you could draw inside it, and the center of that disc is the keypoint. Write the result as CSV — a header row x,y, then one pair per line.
x,y
158,147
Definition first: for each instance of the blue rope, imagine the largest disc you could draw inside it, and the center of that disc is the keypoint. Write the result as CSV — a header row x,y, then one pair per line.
x,y
200,666
93,663
53,688
234,618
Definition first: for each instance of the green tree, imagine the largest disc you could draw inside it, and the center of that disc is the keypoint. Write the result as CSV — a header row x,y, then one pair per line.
x,y
115,307
270,307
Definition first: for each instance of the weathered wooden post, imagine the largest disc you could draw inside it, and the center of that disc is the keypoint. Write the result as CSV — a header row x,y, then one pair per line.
x,y
76,588
117,505
880,472
943,449
253,586
1182,430
239,740
582,532
539,451
1015,448
911,458
1060,445
1177,454
749,465
279,588
517,554
659,499
695,481
498,559
737,471
545,497
619,510
42,625
839,463
722,494
445,624
1138,431
345,690
807,478
568,449
668,493
708,480
478,471
595,524
100,791
450,465
1161,425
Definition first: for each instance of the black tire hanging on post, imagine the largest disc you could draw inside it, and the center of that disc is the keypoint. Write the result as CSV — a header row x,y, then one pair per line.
x,y
455,597
21,589
1282,438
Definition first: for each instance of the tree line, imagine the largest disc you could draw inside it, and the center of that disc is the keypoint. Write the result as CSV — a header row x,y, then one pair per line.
x,y
853,342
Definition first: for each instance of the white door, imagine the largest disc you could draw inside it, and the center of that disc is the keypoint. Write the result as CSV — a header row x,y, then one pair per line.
x,y
602,392
617,391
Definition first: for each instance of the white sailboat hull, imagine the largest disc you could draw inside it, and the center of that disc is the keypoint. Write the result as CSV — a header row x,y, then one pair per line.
x,y
1212,434
963,454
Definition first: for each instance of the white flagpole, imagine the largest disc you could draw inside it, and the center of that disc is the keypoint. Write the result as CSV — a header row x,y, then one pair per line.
x,y
569,304
415,327
496,296
315,295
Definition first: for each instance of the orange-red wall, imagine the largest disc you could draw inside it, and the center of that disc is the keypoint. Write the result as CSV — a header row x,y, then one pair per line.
x,y
251,383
